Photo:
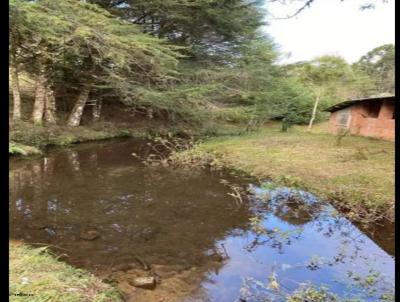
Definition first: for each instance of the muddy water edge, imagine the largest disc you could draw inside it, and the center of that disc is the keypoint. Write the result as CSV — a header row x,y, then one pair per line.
x,y
163,234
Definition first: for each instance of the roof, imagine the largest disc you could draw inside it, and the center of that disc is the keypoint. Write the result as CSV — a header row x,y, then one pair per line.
x,y
355,101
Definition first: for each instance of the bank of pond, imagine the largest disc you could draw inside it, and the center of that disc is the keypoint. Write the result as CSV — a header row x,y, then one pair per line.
x,y
189,234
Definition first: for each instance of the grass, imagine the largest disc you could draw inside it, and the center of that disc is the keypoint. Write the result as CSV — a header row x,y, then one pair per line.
x,y
19,149
35,272
26,138
357,176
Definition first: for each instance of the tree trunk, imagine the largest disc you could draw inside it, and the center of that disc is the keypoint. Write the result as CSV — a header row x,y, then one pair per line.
x,y
75,116
40,95
284,125
96,111
50,107
15,92
313,114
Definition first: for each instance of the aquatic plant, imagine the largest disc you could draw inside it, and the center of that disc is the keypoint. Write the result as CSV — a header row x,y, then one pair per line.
x,y
312,293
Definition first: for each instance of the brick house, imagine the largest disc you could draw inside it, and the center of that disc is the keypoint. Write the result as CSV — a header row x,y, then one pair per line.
x,y
372,117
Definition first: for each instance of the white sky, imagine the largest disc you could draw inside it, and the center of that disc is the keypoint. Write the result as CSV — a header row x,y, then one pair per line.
x,y
331,27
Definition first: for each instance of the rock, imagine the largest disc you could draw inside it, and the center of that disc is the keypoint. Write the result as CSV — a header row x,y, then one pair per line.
x,y
89,235
143,282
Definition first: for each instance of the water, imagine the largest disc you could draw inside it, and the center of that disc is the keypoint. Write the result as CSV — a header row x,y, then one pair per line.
x,y
200,242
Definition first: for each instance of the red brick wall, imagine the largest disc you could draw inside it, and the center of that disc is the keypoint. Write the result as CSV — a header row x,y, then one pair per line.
x,y
360,124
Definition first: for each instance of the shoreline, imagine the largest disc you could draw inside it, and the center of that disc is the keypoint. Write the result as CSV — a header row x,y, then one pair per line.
x,y
356,177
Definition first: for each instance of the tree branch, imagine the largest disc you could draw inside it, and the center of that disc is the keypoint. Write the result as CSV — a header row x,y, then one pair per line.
x,y
298,11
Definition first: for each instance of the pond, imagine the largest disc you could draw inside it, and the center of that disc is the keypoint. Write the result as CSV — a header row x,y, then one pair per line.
x,y
99,208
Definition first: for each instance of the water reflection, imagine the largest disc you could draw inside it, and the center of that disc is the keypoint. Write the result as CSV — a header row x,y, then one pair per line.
x,y
139,213
326,249
182,226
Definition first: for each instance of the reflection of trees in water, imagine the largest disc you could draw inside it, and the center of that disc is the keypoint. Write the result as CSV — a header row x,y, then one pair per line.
x,y
29,179
383,235
291,207
253,290
73,160
350,239
299,213
93,160
163,216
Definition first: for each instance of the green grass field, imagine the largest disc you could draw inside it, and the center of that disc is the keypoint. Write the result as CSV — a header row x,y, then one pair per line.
x,y
358,175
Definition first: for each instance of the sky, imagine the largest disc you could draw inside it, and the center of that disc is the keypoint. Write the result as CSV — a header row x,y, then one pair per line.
x,y
330,27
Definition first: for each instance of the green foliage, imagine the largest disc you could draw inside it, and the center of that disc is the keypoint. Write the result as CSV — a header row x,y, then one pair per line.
x,y
82,44
19,149
333,80
209,26
249,92
379,65
313,293
228,73
330,77
291,101
325,69
15,149
27,139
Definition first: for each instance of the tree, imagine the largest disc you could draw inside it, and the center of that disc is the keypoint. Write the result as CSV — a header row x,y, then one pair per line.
x,y
209,26
379,65
122,51
331,79
82,46
17,35
33,34
112,53
304,4
14,41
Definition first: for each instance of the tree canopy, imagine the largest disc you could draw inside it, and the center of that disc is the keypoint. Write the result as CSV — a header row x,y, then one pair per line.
x,y
379,65
207,25
195,62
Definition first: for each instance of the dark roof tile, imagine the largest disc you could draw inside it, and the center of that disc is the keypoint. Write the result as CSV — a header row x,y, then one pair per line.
x,y
355,101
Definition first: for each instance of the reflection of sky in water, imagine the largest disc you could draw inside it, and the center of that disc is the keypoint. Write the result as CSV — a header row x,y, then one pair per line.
x,y
52,205
19,204
172,217
353,251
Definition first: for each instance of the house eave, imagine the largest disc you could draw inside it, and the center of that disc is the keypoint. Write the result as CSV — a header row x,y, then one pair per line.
x,y
348,103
